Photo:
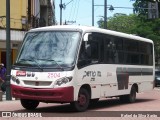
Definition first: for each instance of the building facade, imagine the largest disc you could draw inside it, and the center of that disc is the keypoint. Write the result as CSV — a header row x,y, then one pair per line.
x,y
24,15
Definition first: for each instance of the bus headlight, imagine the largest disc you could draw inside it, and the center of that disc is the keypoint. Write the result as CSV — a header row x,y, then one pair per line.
x,y
15,79
63,80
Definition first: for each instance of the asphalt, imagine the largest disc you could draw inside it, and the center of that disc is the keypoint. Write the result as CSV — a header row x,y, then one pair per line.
x,y
146,102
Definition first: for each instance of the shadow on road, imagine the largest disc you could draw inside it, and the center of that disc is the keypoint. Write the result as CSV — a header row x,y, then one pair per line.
x,y
66,108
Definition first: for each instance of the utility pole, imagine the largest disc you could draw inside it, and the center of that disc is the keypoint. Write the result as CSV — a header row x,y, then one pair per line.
x,y
105,14
92,12
61,6
8,49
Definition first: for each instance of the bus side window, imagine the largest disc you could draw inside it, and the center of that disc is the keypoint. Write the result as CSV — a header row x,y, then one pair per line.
x,y
94,51
84,55
110,51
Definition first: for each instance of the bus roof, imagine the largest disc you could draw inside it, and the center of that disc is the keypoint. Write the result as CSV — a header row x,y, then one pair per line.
x,y
90,29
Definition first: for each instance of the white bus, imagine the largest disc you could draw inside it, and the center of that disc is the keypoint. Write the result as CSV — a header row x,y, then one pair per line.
x,y
79,65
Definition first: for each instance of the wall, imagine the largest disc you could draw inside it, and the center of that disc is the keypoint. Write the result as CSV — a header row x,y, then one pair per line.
x,y
18,10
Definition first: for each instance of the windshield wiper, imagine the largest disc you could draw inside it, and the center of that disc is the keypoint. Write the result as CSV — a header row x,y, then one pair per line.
x,y
53,61
32,60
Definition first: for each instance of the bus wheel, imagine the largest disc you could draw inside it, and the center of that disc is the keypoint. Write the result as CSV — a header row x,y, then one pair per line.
x,y
130,97
29,104
83,101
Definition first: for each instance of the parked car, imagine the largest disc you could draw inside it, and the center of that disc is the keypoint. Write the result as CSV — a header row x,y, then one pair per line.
x,y
157,78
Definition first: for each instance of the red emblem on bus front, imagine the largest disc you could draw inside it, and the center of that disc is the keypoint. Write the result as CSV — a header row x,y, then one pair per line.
x,y
21,73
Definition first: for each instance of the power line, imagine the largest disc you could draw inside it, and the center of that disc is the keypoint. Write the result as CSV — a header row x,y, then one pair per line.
x,y
71,11
68,2
77,10
74,10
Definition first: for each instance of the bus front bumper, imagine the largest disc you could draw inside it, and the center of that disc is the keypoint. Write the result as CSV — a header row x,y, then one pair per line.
x,y
64,94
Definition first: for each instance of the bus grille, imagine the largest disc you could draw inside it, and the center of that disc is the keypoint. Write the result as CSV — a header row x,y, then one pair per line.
x,y
38,83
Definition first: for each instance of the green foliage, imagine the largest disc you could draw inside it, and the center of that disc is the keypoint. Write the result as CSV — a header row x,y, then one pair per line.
x,y
141,7
132,24
123,23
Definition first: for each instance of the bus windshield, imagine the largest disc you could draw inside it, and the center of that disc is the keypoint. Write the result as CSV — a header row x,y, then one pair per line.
x,y
49,49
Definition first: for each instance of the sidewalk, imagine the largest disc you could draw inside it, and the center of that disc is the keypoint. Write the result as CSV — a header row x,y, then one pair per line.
x,y
3,97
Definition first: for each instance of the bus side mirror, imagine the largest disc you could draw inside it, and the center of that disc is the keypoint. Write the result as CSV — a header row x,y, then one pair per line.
x,y
87,36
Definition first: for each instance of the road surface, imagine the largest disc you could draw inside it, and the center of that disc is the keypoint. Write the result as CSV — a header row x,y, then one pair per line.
x,y
147,106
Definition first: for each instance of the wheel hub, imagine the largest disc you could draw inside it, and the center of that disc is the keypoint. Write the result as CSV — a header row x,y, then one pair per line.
x,y
82,100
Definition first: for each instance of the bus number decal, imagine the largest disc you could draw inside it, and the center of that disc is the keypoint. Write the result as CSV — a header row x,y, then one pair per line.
x,y
54,75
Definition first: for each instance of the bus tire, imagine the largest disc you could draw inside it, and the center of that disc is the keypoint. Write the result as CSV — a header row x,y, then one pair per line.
x,y
130,98
29,104
83,101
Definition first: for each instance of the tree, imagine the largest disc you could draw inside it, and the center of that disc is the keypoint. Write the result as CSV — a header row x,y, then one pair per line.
x,y
121,22
141,7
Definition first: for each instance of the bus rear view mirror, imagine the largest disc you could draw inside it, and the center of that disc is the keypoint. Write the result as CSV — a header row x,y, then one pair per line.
x,y
87,36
